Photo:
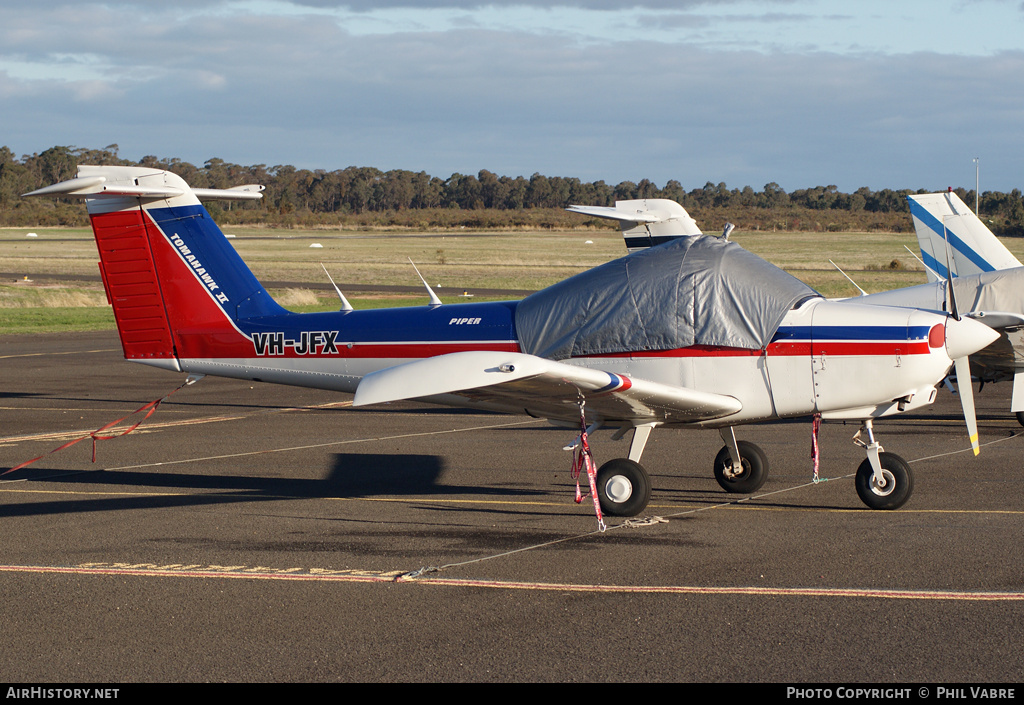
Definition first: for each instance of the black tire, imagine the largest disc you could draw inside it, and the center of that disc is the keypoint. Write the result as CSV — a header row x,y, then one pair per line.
x,y
753,474
899,482
623,488
1020,417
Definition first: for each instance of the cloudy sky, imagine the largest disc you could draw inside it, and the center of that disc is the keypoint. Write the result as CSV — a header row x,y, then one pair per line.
x,y
876,93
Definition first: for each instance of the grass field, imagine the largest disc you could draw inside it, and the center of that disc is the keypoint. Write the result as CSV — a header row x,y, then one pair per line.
x,y
451,262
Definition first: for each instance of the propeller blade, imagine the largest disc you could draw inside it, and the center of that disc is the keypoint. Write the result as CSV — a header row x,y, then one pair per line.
x,y
952,299
966,391
950,295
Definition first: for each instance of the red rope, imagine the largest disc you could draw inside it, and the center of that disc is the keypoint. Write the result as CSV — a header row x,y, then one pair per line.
x,y
582,457
149,408
815,455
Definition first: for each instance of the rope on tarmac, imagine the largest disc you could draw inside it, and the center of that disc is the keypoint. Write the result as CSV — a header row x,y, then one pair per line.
x,y
1014,434
650,521
97,435
413,574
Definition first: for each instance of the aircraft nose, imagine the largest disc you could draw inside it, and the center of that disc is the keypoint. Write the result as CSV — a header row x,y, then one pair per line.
x,y
967,336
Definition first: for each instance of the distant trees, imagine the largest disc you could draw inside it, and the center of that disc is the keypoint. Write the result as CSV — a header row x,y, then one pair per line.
x,y
303,196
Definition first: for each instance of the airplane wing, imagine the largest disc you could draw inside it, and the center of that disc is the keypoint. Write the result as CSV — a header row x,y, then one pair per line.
x,y
542,387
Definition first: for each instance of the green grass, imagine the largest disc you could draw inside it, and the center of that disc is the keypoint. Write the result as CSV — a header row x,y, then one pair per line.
x,y
16,321
332,303
454,261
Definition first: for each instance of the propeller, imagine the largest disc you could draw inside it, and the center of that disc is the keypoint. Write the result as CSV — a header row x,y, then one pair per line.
x,y
963,337
961,363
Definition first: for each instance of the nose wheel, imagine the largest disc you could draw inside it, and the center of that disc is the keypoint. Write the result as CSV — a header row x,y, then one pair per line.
x,y
892,489
884,480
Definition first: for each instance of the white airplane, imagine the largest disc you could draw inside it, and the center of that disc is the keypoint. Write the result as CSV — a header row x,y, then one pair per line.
x,y
695,332
987,280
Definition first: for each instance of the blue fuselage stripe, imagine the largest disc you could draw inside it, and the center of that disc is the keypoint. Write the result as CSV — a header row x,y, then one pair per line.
x,y
859,333
467,323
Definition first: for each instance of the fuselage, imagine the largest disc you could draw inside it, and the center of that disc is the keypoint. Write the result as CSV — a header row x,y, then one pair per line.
x,y
184,300
836,359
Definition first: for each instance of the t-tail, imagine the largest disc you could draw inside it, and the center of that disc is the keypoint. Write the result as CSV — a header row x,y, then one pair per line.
x,y
973,249
174,281
645,222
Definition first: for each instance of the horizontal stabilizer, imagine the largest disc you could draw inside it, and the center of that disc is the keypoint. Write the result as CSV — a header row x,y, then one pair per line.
x,y
100,186
645,222
515,380
611,213
249,192
95,186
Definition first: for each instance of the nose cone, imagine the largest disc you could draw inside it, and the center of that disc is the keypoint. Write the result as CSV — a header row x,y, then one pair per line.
x,y
967,336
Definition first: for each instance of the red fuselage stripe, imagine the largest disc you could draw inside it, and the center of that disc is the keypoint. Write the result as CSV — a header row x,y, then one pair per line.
x,y
788,349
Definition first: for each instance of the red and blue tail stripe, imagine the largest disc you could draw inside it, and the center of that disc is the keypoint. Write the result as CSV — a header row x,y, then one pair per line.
x,y
180,290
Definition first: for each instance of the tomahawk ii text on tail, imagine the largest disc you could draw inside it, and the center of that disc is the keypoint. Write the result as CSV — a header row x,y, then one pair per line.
x,y
693,332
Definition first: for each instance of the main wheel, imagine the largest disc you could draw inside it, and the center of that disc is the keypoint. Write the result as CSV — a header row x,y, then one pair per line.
x,y
895,488
750,476
1020,417
623,487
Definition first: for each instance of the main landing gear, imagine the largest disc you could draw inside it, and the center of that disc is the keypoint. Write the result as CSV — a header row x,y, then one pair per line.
x,y
884,480
740,466
624,487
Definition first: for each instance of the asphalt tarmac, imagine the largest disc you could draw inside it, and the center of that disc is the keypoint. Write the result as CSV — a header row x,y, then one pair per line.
x,y
252,533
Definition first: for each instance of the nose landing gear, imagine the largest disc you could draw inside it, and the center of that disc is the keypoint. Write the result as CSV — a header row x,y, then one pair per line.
x,y
884,480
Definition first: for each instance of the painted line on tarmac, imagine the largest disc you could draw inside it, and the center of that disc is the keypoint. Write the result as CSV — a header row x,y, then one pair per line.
x,y
738,505
70,352
234,572
151,570
374,439
260,496
67,435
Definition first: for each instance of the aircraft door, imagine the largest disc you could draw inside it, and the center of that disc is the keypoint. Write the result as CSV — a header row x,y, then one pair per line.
x,y
857,353
789,364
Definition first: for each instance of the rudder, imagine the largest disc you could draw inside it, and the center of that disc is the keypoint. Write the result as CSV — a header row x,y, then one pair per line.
x,y
176,284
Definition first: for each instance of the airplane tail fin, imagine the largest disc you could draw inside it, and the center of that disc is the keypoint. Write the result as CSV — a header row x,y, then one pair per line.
x,y
645,222
972,246
177,286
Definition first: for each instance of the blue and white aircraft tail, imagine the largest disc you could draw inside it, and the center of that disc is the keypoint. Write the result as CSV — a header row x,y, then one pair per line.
x,y
973,249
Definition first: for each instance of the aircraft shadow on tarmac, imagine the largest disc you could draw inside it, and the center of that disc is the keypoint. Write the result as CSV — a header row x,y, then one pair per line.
x,y
351,475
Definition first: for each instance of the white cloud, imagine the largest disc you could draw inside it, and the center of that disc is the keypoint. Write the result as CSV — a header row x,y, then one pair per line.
x,y
306,84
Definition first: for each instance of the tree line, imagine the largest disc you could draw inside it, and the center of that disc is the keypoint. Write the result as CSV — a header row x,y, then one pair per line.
x,y
369,197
